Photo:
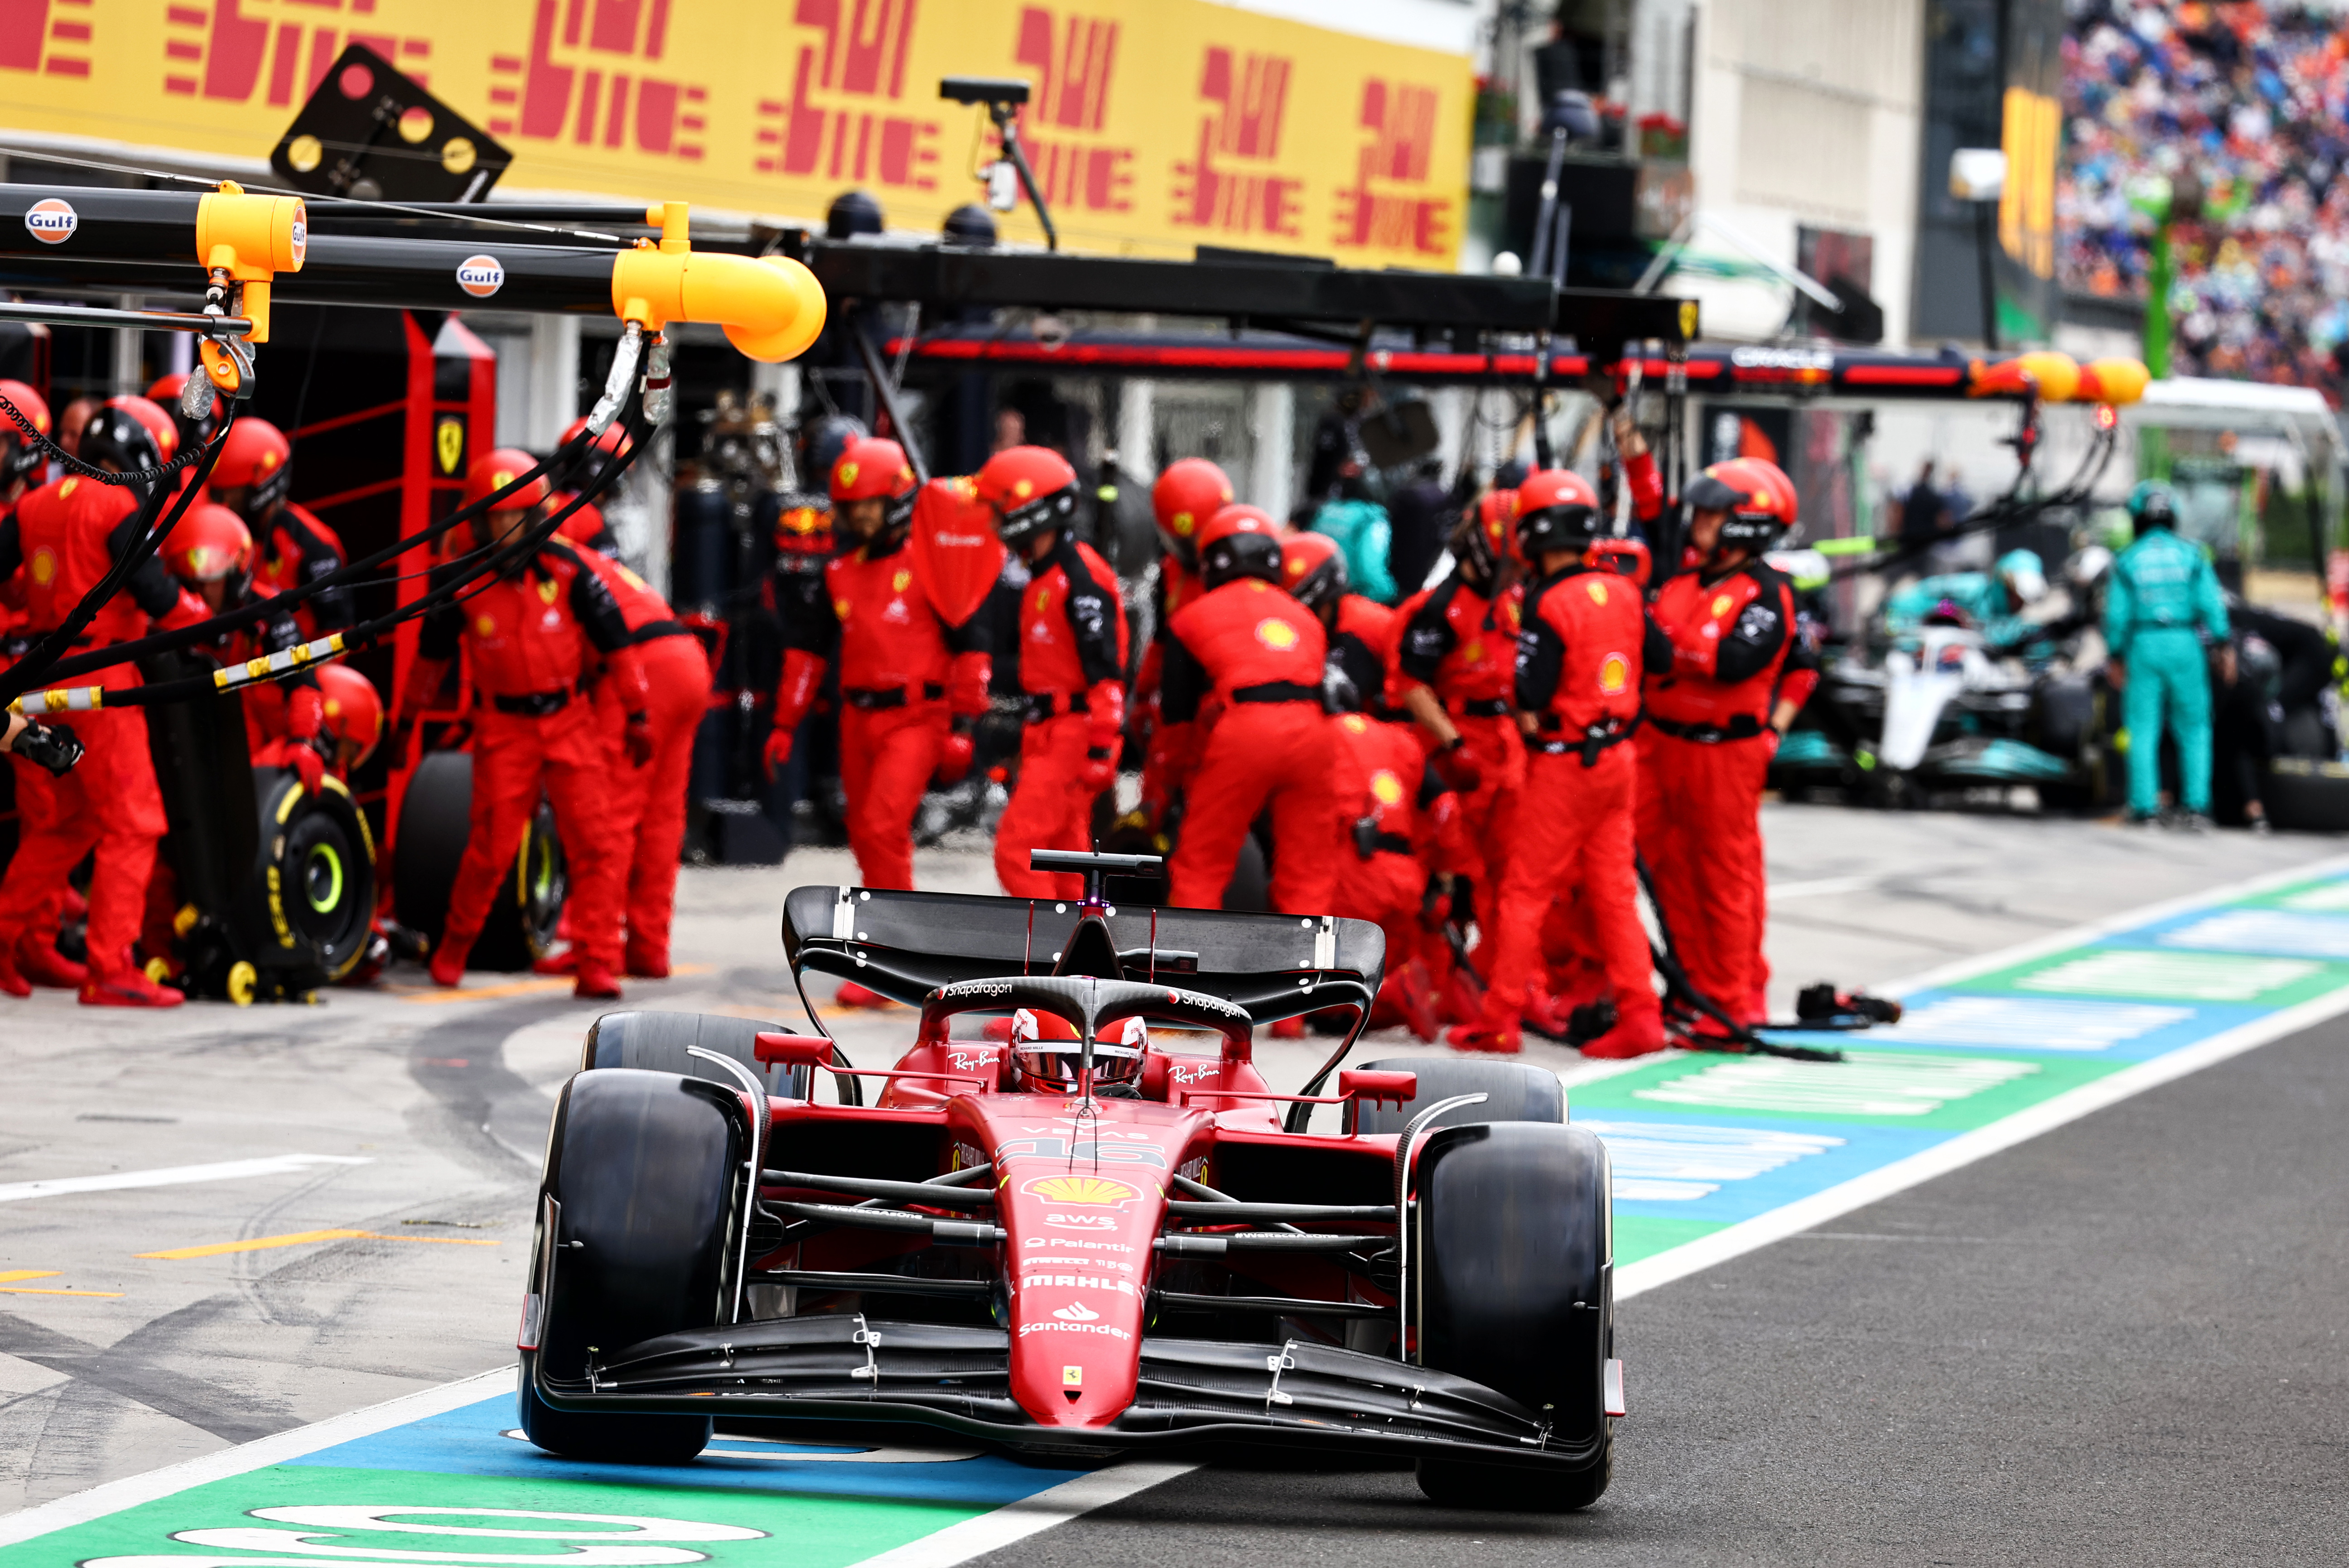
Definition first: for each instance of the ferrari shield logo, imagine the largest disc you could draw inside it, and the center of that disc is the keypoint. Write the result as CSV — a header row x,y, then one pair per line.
x,y
448,444
1688,320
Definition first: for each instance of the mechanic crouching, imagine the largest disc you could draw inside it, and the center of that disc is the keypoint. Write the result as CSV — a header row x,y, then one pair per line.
x,y
1073,649
57,545
527,634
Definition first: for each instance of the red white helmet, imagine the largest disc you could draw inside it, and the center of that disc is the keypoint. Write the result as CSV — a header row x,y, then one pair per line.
x,y
354,710
161,425
255,457
1556,510
1031,488
492,471
25,458
1313,569
1239,542
1190,491
1045,1049
209,543
1755,495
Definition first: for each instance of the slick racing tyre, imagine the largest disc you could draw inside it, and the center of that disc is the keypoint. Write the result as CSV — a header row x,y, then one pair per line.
x,y
1512,1257
639,1188
1514,1093
435,819
315,883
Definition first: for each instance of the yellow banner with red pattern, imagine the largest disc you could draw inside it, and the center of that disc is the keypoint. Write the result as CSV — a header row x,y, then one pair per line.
x,y
1155,125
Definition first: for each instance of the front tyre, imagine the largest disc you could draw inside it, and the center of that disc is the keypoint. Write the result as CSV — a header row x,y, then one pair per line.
x,y
1513,1281
640,1174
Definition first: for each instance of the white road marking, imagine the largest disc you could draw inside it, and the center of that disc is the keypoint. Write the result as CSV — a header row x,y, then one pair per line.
x,y
2028,1023
173,1175
2265,932
2196,977
1751,1235
1671,1162
1878,1083
1015,1521
2332,898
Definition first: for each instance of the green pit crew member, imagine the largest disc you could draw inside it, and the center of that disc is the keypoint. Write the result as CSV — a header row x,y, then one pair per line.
x,y
2162,609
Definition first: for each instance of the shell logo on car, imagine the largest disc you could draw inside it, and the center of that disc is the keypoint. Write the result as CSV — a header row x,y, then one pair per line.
x,y
1082,1191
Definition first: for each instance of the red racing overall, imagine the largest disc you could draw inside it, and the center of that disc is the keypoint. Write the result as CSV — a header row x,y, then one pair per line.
x,y
1464,647
1256,655
293,548
1732,636
905,675
1579,673
1072,649
63,538
1396,812
527,636
647,802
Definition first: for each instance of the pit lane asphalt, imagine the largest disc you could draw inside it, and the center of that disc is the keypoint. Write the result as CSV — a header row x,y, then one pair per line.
x,y
2121,1342
448,1098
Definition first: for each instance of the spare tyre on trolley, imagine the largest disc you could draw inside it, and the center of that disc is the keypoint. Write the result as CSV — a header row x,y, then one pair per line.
x,y
435,820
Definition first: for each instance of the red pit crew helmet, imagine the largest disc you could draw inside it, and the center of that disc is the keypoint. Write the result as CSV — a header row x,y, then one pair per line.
x,y
1030,488
256,457
25,458
209,543
1556,510
1239,542
1187,494
1313,569
354,711
492,471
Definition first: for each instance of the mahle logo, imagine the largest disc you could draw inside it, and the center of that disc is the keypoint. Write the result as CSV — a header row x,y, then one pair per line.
x,y
480,277
51,220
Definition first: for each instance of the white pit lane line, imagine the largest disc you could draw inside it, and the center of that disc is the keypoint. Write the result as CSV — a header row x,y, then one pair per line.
x,y
1016,1522
173,1175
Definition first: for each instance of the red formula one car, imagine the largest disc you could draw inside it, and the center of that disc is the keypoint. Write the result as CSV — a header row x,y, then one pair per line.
x,y
1057,1230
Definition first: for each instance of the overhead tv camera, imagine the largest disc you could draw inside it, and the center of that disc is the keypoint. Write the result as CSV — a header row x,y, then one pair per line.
x,y
1001,97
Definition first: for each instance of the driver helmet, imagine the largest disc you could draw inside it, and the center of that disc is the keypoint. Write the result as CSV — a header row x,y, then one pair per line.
x,y
2020,570
1044,1048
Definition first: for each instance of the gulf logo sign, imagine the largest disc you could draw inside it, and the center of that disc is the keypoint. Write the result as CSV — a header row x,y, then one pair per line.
x,y
51,220
480,275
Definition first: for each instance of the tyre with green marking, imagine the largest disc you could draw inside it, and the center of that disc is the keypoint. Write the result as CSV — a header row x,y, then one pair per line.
x,y
307,910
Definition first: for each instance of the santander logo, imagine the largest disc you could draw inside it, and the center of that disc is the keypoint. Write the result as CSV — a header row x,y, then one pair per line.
x,y
480,275
51,220
1075,1313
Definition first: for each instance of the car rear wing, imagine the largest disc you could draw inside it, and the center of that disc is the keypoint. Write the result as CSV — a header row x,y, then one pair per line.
x,y
906,945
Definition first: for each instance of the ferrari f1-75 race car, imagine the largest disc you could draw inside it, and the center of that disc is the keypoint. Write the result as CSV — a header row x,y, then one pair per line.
x,y
1056,1230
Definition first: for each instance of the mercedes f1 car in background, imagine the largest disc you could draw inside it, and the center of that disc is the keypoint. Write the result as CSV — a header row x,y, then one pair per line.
x,y
1055,1230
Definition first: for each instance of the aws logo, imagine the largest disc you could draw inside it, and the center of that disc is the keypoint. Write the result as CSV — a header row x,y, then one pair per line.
x,y
1276,634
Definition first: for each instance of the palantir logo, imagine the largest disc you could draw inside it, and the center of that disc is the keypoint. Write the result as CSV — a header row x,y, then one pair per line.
x,y
480,277
51,220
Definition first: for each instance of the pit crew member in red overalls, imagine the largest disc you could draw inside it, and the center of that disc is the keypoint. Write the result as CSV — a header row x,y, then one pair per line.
x,y
647,799
290,547
1455,660
352,711
1739,674
1187,493
527,635
1246,662
1394,809
909,682
1072,649
210,553
1585,646
60,541
22,463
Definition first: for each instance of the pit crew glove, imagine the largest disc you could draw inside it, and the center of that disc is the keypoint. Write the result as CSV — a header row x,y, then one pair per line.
x,y
307,765
54,746
306,711
1104,731
1456,767
954,755
794,695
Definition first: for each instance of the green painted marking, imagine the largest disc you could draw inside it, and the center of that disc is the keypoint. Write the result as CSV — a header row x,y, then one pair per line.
x,y
2317,895
2163,974
1639,1236
1871,1088
796,1529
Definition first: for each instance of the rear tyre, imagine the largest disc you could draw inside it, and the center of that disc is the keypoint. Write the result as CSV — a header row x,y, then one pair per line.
x,y
640,1166
1514,1093
1513,1264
